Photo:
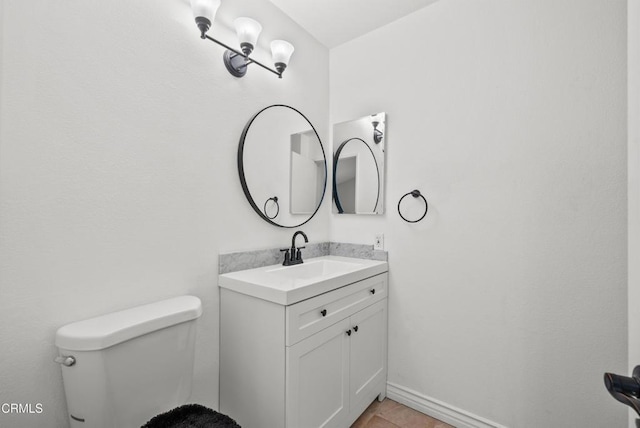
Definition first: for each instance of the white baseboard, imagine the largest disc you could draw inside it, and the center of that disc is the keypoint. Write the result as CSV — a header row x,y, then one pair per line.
x,y
437,409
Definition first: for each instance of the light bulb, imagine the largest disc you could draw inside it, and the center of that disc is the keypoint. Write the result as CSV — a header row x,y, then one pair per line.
x,y
281,52
248,31
205,8
204,11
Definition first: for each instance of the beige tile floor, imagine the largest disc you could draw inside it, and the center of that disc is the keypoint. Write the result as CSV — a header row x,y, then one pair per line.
x,y
391,414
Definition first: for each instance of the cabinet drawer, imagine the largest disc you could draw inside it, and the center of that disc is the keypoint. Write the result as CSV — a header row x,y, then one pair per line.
x,y
310,316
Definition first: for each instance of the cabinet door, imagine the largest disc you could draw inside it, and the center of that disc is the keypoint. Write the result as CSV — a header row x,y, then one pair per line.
x,y
368,368
317,392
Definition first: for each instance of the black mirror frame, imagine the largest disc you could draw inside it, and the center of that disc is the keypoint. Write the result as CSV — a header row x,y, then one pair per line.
x,y
336,158
243,181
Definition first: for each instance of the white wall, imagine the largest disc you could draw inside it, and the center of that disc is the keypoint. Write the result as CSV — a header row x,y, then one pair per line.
x,y
118,171
633,67
509,300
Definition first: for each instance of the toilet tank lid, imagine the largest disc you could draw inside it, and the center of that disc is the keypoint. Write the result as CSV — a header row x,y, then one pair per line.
x,y
108,330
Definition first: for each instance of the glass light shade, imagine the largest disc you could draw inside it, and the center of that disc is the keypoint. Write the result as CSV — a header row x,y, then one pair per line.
x,y
205,8
281,51
248,30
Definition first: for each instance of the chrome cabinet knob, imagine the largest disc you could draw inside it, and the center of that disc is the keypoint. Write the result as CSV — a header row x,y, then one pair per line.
x,y
67,361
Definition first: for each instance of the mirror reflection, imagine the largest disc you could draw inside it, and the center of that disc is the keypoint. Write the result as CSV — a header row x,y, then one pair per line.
x,y
358,165
307,172
282,166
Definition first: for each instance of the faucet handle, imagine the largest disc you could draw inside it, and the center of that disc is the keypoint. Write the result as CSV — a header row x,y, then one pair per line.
x,y
287,256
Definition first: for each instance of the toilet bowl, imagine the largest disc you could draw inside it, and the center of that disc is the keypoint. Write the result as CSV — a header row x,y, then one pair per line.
x,y
121,369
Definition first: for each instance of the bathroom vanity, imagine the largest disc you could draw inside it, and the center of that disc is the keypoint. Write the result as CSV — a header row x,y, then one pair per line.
x,y
303,346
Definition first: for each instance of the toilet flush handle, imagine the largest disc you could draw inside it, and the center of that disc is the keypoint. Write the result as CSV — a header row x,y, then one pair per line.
x,y
65,361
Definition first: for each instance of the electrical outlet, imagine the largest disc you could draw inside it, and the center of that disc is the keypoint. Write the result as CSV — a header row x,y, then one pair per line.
x,y
378,241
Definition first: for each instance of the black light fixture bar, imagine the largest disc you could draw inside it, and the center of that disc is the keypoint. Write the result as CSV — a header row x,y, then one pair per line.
x,y
248,59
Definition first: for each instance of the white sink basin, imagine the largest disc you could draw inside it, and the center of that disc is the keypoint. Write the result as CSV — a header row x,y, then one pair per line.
x,y
290,284
314,268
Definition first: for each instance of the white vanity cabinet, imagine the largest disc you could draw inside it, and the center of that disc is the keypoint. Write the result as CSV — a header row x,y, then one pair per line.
x,y
336,373
315,363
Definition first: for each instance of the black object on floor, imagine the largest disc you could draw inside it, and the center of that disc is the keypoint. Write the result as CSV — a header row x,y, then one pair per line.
x,y
191,416
625,389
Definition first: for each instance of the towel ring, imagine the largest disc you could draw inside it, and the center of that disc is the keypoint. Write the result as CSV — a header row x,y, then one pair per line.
x,y
416,194
275,201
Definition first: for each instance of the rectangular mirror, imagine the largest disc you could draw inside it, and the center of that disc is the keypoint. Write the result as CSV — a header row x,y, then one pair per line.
x,y
358,165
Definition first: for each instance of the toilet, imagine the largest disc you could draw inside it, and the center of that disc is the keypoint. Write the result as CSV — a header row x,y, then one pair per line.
x,y
121,369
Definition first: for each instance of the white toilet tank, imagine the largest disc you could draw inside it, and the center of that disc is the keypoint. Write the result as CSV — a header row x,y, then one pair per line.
x,y
129,365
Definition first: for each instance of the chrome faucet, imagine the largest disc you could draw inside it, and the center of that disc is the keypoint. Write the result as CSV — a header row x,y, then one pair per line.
x,y
293,256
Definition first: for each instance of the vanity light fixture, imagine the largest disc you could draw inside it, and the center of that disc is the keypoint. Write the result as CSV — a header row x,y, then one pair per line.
x,y
248,31
377,134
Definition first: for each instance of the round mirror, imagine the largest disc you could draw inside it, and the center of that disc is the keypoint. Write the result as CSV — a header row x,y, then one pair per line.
x,y
282,166
356,178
